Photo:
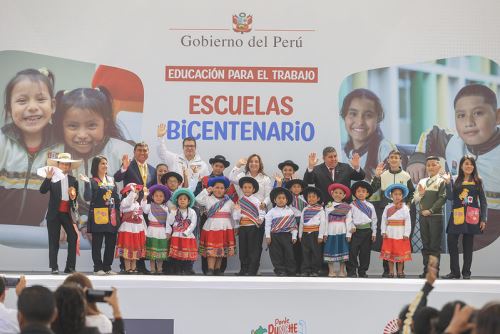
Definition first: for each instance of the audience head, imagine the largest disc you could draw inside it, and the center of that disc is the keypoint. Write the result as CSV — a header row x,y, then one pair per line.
x,y
424,320
71,305
82,281
488,319
446,314
36,305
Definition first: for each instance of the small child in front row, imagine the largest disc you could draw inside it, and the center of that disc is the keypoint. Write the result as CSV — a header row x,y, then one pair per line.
x,y
336,245
131,239
183,247
396,229
296,186
311,230
217,236
158,231
281,232
250,218
361,229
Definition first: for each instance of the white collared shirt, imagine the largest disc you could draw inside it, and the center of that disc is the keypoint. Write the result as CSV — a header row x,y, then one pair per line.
x,y
8,320
64,189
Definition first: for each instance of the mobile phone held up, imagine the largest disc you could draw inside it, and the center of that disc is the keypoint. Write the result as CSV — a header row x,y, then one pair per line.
x,y
97,296
10,282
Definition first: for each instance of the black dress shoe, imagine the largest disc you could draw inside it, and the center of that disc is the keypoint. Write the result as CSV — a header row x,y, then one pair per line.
x,y
210,272
422,275
314,274
144,271
352,275
385,274
240,273
69,270
450,276
363,275
466,276
54,271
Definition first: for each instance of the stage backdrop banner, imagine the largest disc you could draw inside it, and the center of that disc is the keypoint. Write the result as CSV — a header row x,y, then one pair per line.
x,y
241,78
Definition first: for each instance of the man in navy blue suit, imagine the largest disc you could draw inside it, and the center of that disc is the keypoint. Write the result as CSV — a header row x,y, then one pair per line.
x,y
140,172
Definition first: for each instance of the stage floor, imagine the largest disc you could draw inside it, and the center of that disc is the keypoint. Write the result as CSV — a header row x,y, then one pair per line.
x,y
245,303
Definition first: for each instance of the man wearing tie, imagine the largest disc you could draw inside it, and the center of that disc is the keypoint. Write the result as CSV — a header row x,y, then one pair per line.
x,y
63,193
140,172
332,171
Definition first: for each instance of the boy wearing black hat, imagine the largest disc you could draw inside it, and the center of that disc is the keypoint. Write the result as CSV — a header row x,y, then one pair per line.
x,y
250,217
296,186
311,230
361,229
281,232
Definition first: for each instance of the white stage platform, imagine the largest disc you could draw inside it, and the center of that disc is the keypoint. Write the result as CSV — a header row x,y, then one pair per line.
x,y
229,304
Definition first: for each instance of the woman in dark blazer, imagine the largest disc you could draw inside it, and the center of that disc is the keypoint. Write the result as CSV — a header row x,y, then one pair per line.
x,y
104,215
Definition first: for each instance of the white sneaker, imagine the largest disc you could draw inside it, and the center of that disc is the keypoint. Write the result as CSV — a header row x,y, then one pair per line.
x,y
111,272
99,273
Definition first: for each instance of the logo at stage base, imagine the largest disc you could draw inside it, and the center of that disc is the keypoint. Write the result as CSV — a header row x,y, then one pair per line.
x,y
282,326
242,23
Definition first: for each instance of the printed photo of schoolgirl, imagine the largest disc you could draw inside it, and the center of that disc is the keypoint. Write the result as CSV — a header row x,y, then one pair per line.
x,y
183,219
281,232
84,123
396,228
362,113
468,217
27,141
477,118
217,239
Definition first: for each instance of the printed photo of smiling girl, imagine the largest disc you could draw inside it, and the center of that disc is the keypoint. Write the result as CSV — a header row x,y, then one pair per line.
x,y
27,141
84,122
362,113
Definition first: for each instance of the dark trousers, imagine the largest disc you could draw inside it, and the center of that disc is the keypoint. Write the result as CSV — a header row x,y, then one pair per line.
x,y
311,253
249,248
54,230
281,253
361,242
297,254
468,244
100,262
431,232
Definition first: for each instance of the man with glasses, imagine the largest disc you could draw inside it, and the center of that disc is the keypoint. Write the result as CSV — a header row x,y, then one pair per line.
x,y
189,164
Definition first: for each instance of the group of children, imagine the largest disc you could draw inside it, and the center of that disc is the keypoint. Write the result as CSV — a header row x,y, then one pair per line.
x,y
297,217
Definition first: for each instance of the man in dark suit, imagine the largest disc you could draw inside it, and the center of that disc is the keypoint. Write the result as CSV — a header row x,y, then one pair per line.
x,y
63,193
140,172
332,171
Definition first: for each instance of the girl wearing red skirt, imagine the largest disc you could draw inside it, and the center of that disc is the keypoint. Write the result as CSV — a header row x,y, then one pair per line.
x,y
183,247
217,236
396,228
131,243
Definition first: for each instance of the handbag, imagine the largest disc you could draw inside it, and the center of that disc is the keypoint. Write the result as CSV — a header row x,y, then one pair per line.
x,y
101,216
458,216
472,215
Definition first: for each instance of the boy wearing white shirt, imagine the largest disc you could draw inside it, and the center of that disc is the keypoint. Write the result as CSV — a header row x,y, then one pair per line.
x,y
361,229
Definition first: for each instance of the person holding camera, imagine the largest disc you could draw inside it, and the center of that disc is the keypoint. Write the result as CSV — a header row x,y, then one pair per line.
x,y
8,317
94,317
